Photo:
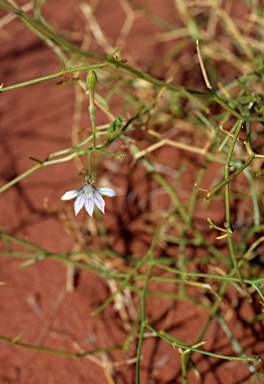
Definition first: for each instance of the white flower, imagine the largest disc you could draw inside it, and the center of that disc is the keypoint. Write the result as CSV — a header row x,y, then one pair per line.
x,y
88,196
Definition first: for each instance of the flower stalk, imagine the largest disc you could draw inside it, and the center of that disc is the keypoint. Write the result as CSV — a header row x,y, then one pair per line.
x,y
91,83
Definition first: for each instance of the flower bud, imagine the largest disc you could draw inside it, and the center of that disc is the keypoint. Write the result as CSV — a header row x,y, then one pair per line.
x,y
91,80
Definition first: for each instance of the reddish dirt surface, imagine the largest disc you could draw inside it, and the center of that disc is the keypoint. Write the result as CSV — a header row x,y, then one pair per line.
x,y
37,120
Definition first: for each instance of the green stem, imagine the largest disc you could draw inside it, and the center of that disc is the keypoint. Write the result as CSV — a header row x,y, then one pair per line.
x,y
52,76
58,352
93,132
90,165
229,225
231,177
175,344
143,321
149,255
20,177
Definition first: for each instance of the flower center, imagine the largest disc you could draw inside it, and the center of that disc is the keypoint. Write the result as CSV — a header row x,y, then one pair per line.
x,y
89,191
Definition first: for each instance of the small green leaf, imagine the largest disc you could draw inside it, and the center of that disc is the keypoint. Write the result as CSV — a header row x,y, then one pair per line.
x,y
116,124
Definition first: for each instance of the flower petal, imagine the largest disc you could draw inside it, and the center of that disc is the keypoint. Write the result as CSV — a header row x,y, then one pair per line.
x,y
107,192
70,194
89,205
79,202
98,200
